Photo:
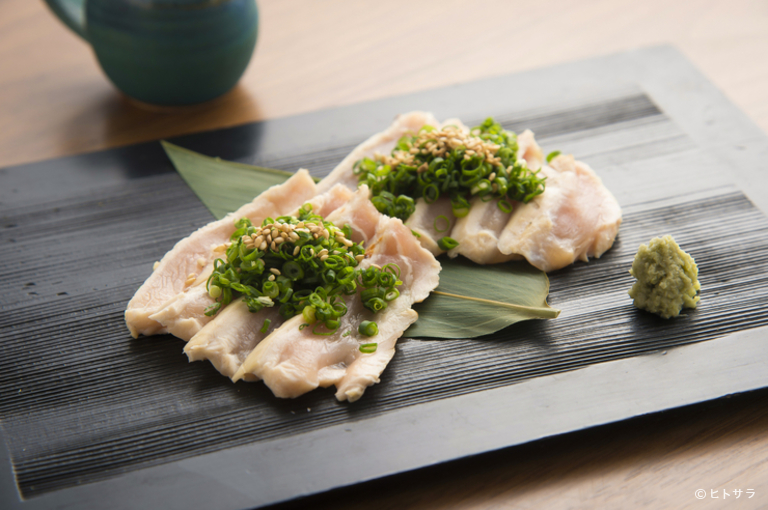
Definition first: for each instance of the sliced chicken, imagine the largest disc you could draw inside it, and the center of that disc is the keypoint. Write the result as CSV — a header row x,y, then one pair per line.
x,y
183,265
382,143
360,214
431,222
228,339
529,150
478,232
183,316
293,361
574,219
425,220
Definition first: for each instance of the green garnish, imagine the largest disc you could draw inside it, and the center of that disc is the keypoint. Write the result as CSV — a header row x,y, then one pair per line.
x,y
447,243
552,155
448,161
265,326
303,265
368,348
447,223
368,328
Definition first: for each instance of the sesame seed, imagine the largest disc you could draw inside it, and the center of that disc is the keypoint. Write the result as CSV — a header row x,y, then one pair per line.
x,y
323,258
274,271
271,278
190,279
263,246
296,251
273,246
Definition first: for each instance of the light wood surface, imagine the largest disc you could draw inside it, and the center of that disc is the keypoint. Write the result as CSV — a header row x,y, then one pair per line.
x,y
312,55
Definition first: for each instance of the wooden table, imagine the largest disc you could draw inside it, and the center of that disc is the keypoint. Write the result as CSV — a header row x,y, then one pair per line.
x,y
54,101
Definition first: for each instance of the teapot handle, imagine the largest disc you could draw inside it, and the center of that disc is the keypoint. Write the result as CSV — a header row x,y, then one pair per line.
x,y
71,13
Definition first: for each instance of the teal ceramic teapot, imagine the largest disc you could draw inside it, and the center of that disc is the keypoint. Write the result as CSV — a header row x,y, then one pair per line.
x,y
166,52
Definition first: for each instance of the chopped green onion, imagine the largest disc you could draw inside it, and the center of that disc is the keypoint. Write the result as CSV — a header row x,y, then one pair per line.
x,y
214,291
368,328
424,165
552,155
447,243
447,223
293,270
369,348
301,274
265,326
309,314
505,206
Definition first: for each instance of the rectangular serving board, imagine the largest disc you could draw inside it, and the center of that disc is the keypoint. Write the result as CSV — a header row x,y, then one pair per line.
x,y
93,418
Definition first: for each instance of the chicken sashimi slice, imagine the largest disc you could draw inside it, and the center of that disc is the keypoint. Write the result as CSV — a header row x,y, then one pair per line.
x,y
183,316
228,339
382,143
425,220
192,254
360,214
574,219
529,150
478,232
292,361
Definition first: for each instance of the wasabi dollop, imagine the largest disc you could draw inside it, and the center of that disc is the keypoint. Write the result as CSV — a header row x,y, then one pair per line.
x,y
667,278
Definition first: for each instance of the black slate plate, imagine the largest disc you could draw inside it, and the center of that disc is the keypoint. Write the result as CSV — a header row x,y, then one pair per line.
x,y
91,417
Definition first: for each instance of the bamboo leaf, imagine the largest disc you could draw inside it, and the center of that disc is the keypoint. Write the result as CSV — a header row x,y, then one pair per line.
x,y
474,300
471,300
223,186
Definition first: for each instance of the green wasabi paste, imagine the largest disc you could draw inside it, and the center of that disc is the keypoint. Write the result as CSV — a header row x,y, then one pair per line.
x,y
667,278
